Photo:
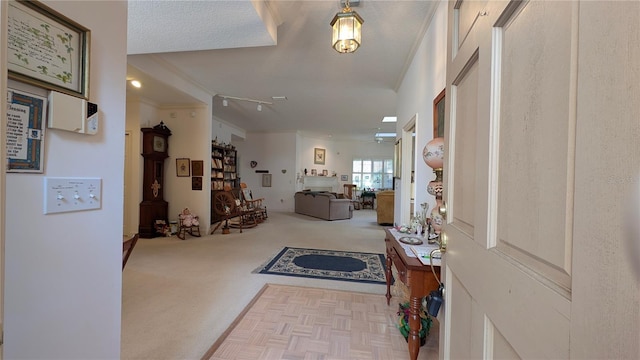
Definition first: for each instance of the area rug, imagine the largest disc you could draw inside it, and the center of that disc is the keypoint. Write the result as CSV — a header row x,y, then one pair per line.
x,y
327,264
292,322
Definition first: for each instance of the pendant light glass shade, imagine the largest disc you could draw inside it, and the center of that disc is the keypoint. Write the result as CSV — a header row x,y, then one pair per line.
x,y
347,31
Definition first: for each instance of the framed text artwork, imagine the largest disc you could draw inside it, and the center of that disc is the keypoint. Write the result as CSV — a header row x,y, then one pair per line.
x,y
47,49
25,132
183,167
319,156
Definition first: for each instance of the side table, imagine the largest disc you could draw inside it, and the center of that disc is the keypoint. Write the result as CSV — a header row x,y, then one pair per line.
x,y
418,278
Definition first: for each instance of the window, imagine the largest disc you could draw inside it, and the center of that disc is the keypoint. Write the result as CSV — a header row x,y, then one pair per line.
x,y
373,173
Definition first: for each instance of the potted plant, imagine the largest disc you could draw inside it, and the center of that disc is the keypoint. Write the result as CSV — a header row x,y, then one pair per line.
x,y
403,323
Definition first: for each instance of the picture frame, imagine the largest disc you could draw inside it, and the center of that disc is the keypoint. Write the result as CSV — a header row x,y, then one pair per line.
x,y
344,177
34,28
183,168
319,156
25,126
325,172
438,115
314,172
197,167
196,183
397,159
266,180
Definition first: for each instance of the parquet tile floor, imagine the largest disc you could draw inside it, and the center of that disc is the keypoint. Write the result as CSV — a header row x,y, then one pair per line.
x,y
299,323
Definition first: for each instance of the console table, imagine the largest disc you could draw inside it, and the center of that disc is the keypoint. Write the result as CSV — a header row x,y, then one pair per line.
x,y
418,278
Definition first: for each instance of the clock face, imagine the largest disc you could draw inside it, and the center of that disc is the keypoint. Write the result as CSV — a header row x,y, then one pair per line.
x,y
159,144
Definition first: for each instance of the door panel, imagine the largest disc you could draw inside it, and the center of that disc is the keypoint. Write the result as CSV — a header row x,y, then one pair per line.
x,y
463,163
506,307
467,14
541,270
461,301
537,136
501,348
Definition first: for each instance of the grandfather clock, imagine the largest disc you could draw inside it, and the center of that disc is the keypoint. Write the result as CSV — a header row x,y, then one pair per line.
x,y
155,146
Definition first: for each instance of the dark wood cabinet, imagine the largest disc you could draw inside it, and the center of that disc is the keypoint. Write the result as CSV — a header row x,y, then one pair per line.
x,y
155,150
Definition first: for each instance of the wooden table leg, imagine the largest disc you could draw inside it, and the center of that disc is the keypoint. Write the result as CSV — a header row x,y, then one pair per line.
x,y
414,327
389,264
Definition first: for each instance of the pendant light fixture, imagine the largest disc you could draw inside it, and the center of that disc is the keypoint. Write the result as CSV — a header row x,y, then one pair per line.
x,y
347,30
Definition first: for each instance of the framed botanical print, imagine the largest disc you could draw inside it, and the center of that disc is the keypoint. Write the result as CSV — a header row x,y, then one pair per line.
x,y
47,49
319,156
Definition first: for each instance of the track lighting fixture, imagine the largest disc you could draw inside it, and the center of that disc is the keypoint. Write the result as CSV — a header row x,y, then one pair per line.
x,y
225,101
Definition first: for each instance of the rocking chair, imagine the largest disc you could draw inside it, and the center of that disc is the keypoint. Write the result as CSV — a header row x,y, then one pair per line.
x,y
254,204
189,223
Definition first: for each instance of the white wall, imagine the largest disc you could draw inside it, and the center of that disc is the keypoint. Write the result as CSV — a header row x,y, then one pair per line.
x,y
294,152
340,155
225,133
424,80
190,128
273,152
63,275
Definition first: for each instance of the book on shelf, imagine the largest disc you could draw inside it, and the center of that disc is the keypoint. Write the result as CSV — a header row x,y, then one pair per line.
x,y
216,163
217,185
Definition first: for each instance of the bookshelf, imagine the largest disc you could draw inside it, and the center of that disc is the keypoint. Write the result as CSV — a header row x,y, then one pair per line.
x,y
224,171
223,167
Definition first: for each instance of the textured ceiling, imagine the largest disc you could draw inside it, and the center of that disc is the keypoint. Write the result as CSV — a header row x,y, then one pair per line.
x,y
166,26
342,95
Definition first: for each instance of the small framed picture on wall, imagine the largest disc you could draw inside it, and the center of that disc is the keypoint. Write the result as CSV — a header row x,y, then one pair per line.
x,y
183,167
266,180
196,183
197,167
319,156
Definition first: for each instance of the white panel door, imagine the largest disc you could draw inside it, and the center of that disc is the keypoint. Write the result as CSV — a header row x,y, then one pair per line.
x,y
517,132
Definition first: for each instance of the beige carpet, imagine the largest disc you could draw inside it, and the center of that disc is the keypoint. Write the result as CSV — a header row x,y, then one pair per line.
x,y
179,296
292,322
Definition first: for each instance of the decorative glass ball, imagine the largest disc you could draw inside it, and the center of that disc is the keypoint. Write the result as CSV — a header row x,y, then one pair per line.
x,y
437,220
433,153
434,188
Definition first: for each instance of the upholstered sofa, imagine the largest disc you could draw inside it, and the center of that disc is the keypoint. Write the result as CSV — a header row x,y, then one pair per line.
x,y
323,205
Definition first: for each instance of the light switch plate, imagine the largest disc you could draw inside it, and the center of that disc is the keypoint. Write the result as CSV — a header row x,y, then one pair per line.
x,y
71,194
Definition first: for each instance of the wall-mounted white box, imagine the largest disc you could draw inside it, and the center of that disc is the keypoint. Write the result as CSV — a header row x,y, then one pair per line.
x,y
71,194
73,114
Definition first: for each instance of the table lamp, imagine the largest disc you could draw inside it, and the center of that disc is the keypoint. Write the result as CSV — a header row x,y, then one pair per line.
x,y
433,155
